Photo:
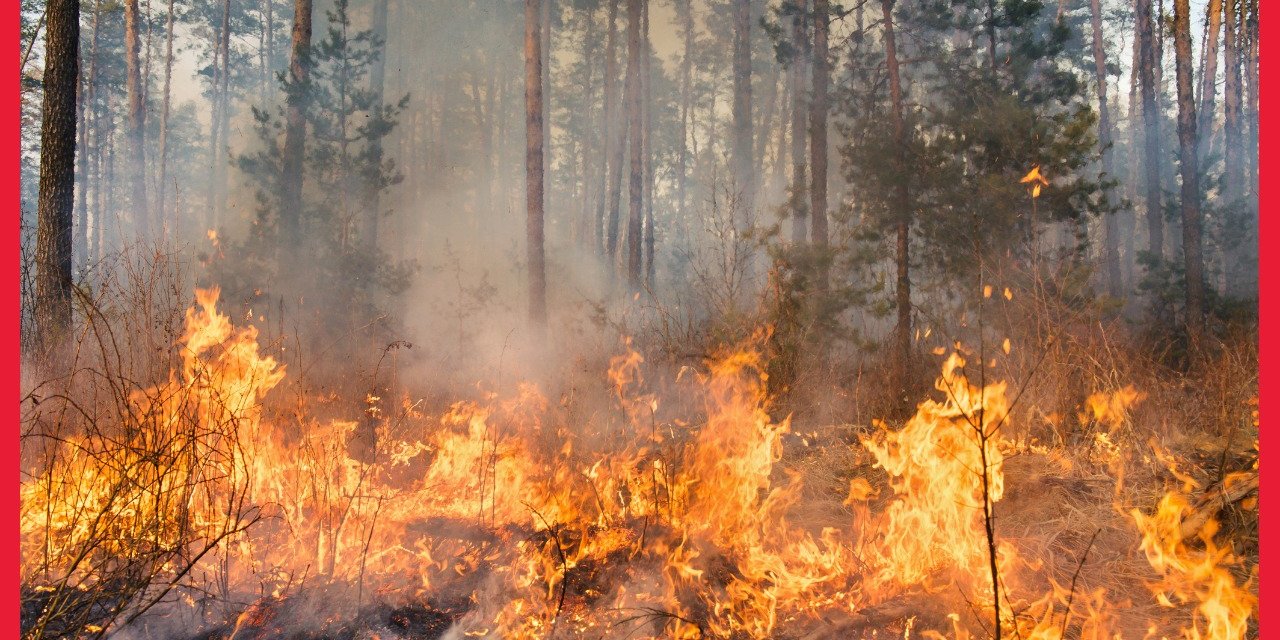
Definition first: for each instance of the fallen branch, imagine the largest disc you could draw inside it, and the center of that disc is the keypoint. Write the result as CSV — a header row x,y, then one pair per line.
x,y
1235,488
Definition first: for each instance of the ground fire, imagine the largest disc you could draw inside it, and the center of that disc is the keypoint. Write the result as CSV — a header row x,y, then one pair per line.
x,y
500,518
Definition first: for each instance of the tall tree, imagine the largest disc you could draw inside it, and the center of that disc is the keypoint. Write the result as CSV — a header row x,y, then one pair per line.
x,y
533,159
162,187
1111,253
137,118
1147,62
615,139
799,126
646,101
684,10
901,205
1232,105
1191,245
57,170
295,127
635,127
1209,75
743,154
818,107
85,102
1251,73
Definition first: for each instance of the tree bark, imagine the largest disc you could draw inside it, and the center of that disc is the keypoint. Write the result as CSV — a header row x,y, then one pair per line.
x,y
1111,253
1147,62
902,207
57,171
635,126
799,125
1191,245
295,128
533,158
1232,169
137,119
818,126
1251,112
743,154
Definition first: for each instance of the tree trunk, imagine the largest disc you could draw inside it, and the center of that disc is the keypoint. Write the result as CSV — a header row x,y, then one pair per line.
x,y
1191,246
743,155
377,85
685,9
799,124
533,158
1111,254
85,103
57,171
646,76
1208,78
818,124
1147,62
635,126
902,206
137,122
161,189
1232,169
224,114
615,140
1251,112
295,128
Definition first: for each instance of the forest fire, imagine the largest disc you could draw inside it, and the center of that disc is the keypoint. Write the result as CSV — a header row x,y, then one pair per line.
x,y
511,524
597,319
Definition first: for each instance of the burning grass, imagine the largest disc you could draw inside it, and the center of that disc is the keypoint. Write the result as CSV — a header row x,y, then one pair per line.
x,y
210,508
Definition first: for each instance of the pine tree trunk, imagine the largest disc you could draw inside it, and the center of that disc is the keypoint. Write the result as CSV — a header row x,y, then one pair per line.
x,y
685,9
85,103
162,188
1191,244
799,125
646,97
902,206
1111,254
137,123
743,155
1232,169
1208,78
57,171
615,140
377,85
1147,62
818,126
545,22
295,128
635,127
1251,112
222,161
533,158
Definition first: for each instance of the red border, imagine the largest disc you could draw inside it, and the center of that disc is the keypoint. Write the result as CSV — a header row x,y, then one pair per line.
x,y
1268,311
10,237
